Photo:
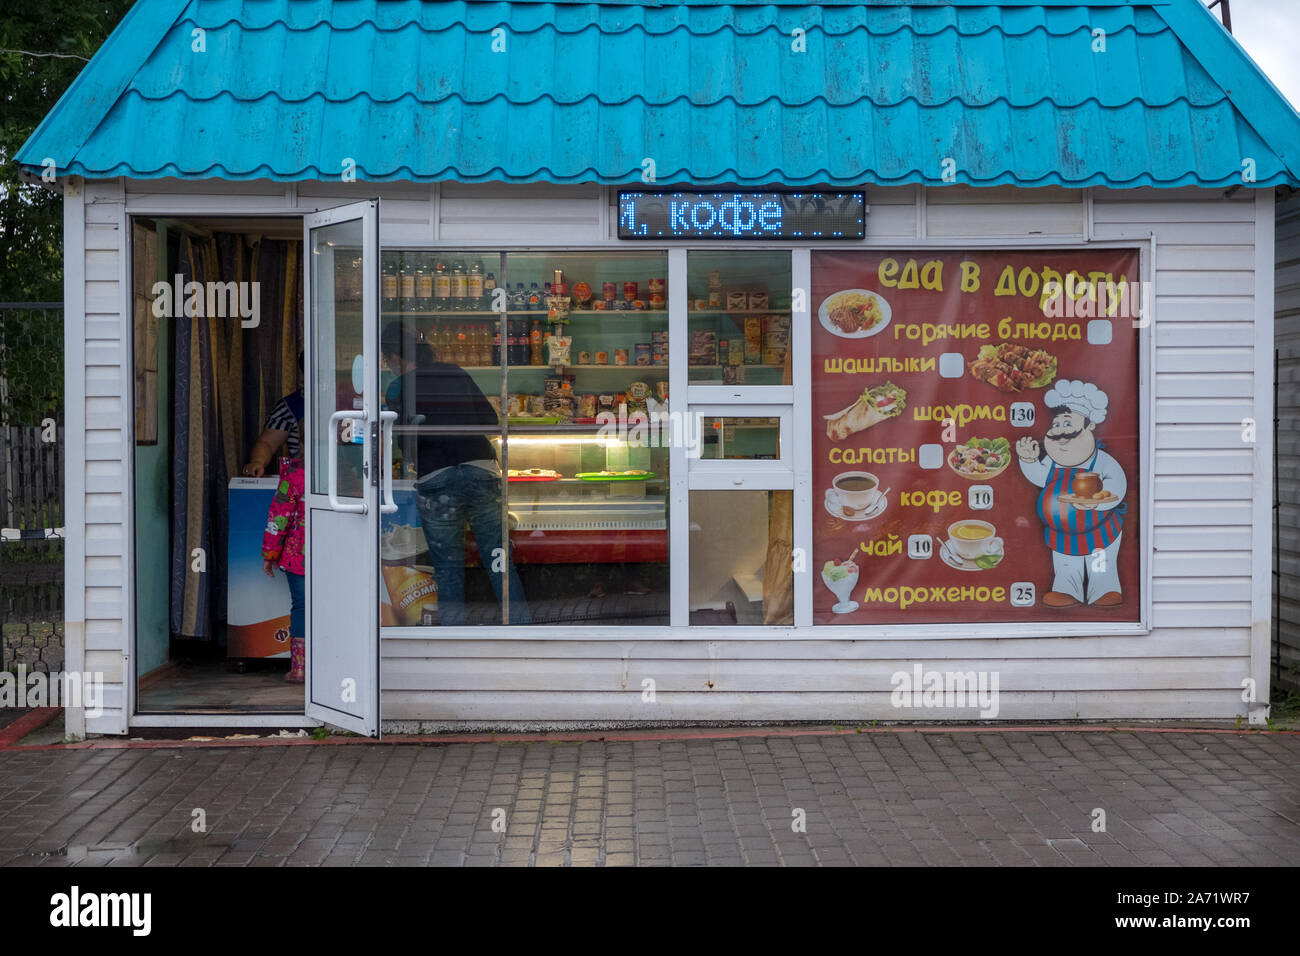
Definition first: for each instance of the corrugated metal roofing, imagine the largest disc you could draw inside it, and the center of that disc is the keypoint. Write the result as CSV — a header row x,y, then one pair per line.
x,y
713,93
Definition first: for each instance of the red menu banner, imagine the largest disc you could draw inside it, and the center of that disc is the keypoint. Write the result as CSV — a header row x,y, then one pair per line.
x,y
975,422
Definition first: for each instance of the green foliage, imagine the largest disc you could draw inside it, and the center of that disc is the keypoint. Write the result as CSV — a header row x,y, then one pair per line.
x,y
31,218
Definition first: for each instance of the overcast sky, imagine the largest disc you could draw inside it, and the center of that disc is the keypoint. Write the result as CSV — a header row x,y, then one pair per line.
x,y
1269,30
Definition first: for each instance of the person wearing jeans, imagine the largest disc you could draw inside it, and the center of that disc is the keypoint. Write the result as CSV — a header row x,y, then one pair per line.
x,y
447,501
460,480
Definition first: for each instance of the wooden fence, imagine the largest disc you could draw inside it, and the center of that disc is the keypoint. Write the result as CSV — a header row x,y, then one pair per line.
x,y
31,477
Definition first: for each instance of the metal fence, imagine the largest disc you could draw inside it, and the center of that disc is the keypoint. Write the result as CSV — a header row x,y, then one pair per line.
x,y
31,484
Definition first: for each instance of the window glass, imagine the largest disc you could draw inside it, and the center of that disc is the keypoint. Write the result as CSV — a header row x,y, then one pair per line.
x,y
336,312
739,437
528,388
740,547
738,305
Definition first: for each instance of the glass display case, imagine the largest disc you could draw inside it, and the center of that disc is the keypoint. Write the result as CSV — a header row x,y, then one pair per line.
x,y
566,360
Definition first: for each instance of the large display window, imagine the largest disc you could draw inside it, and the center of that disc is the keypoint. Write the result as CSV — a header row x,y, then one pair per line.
x,y
531,487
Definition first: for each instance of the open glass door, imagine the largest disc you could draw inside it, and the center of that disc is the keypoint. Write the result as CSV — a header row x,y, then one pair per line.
x,y
343,465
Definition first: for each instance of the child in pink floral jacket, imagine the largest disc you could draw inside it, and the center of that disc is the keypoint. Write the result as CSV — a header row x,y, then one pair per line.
x,y
283,543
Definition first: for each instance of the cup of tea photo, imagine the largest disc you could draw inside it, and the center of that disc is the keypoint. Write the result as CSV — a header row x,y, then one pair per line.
x,y
858,490
1085,484
970,538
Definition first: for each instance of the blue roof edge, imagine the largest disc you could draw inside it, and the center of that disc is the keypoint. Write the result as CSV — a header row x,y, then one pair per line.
x,y
100,84
1251,92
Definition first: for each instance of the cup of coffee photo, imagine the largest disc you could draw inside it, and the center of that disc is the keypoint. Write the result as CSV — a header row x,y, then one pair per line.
x,y
858,490
1085,484
970,538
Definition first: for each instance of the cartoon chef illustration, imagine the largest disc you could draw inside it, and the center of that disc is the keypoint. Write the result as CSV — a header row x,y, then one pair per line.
x,y
1090,518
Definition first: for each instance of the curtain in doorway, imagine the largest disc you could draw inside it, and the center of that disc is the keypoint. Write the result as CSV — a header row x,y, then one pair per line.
x,y
228,375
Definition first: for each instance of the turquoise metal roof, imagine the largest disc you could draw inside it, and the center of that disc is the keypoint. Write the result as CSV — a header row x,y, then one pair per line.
x,y
884,92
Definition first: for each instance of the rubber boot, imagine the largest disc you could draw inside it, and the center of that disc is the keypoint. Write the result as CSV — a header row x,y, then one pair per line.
x,y
297,657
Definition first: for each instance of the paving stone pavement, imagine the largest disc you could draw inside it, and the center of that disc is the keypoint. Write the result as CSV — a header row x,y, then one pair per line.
x,y
992,798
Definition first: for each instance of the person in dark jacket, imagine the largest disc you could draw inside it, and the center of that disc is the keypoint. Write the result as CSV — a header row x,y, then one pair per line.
x,y
459,481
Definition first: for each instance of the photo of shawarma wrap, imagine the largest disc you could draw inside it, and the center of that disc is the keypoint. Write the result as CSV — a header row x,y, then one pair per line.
x,y
875,405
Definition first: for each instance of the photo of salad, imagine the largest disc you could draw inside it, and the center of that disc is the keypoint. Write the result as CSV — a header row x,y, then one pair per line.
x,y
854,313
981,458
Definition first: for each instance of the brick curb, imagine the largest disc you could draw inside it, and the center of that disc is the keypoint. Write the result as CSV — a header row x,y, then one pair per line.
x,y
597,736
34,719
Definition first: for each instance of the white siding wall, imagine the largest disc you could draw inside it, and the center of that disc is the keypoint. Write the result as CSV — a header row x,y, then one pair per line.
x,y
1205,478
101,481
1287,304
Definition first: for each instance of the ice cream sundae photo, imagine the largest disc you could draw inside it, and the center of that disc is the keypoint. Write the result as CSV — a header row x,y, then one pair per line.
x,y
841,577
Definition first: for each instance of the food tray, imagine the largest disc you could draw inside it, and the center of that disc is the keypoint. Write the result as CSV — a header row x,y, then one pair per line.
x,y
534,477
544,420
596,476
1093,502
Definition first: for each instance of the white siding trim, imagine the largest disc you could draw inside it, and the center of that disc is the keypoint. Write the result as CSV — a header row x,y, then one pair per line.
x,y
1261,618
74,425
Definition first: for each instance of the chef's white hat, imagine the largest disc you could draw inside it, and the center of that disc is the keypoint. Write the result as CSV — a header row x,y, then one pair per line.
x,y
1082,397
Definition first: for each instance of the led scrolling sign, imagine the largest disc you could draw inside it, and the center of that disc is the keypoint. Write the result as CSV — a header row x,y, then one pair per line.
x,y
741,215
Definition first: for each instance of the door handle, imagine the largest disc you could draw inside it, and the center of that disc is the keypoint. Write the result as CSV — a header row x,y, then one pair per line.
x,y
333,480
387,506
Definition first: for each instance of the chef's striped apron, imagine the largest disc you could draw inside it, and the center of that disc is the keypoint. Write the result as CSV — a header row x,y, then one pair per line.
x,y
1069,530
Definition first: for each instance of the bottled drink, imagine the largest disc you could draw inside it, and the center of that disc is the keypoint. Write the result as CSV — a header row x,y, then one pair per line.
x,y
424,288
534,298
406,291
461,349
519,298
388,285
535,343
475,284
441,287
459,285
489,290
518,342
496,343
484,345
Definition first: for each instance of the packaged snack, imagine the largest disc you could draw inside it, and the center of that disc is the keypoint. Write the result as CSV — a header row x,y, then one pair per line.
x,y
558,349
637,395
641,352
758,300
584,358
753,340
620,356
586,406
602,358
737,301
703,348
776,339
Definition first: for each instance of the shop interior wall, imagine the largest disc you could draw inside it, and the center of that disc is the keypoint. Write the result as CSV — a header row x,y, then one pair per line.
x,y
152,494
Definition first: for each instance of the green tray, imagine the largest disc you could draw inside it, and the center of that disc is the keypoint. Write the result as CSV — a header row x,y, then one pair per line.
x,y
544,420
